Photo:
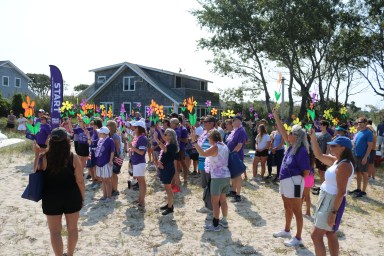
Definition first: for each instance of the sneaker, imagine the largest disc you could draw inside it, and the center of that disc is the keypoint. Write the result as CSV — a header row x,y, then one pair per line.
x,y
203,210
354,191
231,194
102,199
89,177
282,233
167,211
223,223
108,200
293,242
236,199
210,227
164,207
315,192
115,193
360,194
209,217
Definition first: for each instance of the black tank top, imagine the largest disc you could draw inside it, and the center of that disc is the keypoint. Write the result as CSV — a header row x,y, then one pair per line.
x,y
62,184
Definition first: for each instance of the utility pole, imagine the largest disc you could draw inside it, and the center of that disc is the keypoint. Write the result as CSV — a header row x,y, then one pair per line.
x,y
282,98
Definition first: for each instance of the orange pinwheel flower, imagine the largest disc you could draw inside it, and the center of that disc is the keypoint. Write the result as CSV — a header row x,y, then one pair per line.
x,y
161,116
153,104
191,104
28,106
110,114
214,111
159,110
184,102
103,113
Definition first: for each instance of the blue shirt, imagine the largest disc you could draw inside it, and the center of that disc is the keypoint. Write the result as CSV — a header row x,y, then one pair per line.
x,y
380,129
277,140
361,142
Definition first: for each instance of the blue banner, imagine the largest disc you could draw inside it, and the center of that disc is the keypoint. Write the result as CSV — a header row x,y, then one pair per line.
x,y
56,95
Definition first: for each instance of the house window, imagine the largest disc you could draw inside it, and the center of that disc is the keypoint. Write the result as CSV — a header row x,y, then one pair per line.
x,y
128,83
17,82
101,79
5,81
178,82
107,105
203,86
128,107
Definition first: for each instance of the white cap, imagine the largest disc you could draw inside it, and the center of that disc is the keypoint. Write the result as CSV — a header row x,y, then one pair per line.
x,y
103,129
139,123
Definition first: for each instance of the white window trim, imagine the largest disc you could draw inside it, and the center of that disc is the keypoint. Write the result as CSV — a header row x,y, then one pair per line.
x,y
2,81
106,103
129,84
98,79
16,78
128,111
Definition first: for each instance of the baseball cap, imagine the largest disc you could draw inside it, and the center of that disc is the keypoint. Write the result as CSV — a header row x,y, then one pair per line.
x,y
103,129
238,117
342,141
139,123
341,128
59,134
41,111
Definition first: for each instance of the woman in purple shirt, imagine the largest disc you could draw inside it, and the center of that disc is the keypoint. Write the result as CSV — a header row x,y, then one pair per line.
x,y
138,147
41,140
84,140
236,142
295,166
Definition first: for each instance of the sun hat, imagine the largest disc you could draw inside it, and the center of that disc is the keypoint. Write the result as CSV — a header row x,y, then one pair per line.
x,y
103,129
41,111
342,141
59,134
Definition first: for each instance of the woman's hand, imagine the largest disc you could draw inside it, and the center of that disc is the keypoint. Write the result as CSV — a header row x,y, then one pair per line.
x,y
193,134
331,219
275,113
156,136
130,144
312,134
161,166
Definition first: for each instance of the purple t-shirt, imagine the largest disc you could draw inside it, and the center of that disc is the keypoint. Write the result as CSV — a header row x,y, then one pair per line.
x,y
82,138
183,135
239,136
42,135
103,152
142,145
296,164
154,143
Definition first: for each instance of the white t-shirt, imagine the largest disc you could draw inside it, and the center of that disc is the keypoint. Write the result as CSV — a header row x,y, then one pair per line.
x,y
261,143
199,131
22,121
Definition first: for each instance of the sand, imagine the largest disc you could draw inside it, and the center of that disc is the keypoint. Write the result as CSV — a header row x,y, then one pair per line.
x,y
119,228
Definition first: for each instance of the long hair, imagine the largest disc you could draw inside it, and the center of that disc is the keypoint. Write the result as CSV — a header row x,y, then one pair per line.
x,y
170,132
301,139
347,155
312,158
112,125
262,132
58,155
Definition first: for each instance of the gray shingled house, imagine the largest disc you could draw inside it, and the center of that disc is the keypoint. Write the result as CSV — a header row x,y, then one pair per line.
x,y
13,80
130,83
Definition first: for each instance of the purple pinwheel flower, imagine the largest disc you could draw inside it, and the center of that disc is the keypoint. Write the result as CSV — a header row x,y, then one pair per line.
x,y
97,109
74,106
314,97
148,110
119,120
251,109
256,115
138,104
83,102
122,108
208,103
270,115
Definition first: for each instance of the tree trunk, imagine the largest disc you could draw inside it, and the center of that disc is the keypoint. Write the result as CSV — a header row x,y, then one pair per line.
x,y
290,86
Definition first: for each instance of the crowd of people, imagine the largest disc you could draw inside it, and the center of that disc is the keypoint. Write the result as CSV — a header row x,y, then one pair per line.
x,y
173,146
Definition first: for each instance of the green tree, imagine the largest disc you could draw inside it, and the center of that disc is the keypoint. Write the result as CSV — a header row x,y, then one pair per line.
x,y
16,105
80,87
5,106
40,84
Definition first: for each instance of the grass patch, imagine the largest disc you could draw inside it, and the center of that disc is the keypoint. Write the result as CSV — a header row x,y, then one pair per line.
x,y
19,148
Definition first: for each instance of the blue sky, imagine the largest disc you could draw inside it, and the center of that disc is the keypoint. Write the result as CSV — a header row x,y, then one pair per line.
x,y
77,36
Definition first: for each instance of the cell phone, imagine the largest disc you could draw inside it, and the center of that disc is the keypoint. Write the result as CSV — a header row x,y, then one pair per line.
x,y
297,191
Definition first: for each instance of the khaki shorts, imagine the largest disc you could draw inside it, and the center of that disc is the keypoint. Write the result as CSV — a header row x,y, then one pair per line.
x,y
287,186
220,186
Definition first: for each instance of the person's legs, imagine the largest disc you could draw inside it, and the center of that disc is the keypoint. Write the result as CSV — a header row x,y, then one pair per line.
x,y
92,172
108,187
263,161
288,213
83,160
359,179
321,175
195,162
215,199
176,177
237,184
168,190
254,165
224,205
333,243
54,225
318,242
115,181
142,189
188,162
270,163
296,204
185,170
72,220
365,181
307,199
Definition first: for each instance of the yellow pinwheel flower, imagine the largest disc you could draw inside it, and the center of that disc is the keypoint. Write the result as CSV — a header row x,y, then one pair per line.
x,y
328,114
353,130
102,107
343,111
297,121
287,128
335,121
67,105
195,103
229,113
62,109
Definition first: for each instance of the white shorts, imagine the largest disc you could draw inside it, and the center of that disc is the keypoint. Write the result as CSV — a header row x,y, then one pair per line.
x,y
139,170
104,171
287,186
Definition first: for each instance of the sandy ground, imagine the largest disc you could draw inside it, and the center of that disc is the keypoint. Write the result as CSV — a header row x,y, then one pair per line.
x,y
118,228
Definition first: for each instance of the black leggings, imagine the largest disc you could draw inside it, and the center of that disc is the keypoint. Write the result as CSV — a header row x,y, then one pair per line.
x,y
275,159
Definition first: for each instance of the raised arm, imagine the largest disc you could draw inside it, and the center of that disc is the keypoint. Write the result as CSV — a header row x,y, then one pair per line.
x,y
280,125
325,159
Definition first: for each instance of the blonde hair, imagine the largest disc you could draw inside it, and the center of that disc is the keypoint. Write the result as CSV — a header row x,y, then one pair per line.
x,y
112,126
301,139
173,136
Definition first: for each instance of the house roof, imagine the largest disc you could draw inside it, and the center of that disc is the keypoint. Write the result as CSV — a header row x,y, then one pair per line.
x,y
170,94
5,62
87,92
150,68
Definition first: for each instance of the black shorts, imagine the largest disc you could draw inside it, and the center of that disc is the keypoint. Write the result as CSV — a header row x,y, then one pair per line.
x,y
10,126
372,156
76,146
166,174
263,153
83,149
320,165
180,156
194,156
42,145
58,206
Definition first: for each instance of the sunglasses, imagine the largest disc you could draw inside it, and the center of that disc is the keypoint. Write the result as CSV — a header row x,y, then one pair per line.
x,y
361,122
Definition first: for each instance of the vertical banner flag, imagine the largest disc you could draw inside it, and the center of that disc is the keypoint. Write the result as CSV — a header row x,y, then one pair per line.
x,y
56,95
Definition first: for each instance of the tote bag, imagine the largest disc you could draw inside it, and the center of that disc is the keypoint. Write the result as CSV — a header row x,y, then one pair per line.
x,y
34,189
235,165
